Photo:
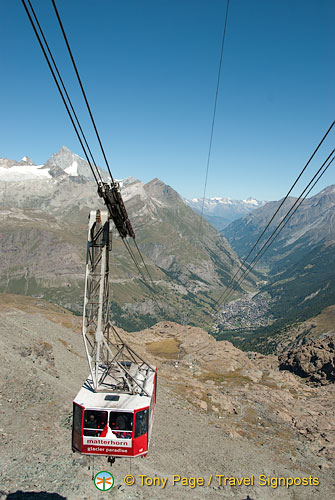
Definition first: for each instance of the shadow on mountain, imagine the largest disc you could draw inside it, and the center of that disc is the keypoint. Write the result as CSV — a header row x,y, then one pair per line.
x,y
34,495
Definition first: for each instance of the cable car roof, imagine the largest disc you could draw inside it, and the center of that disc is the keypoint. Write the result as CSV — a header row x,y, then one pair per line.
x,y
87,398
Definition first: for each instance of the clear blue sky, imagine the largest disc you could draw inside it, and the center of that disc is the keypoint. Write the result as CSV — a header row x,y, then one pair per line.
x,y
150,67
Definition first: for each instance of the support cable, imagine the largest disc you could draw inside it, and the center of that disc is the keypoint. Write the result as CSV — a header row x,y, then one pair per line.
x,y
126,244
140,254
244,262
214,115
82,88
74,118
59,89
284,221
64,88
301,201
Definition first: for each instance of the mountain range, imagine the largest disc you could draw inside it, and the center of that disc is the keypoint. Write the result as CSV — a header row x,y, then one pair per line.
x,y
220,212
43,226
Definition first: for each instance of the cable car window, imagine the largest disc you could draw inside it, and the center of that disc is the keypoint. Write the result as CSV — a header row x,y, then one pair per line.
x,y
121,421
94,422
141,423
77,416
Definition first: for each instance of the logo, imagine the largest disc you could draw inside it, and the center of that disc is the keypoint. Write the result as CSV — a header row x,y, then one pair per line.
x,y
104,480
107,442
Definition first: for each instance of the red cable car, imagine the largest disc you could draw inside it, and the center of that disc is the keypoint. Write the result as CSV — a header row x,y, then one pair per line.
x,y
113,411
113,424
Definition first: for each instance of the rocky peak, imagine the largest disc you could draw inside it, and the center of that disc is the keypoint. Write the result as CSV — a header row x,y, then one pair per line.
x,y
70,163
26,161
7,163
163,192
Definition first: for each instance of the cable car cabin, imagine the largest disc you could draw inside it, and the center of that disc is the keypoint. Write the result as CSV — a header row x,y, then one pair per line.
x,y
113,423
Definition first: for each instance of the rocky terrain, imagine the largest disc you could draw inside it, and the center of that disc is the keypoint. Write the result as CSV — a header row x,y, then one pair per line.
x,y
219,411
313,360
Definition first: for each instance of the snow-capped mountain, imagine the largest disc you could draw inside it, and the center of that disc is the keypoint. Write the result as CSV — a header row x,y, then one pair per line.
x,y
63,163
23,170
222,211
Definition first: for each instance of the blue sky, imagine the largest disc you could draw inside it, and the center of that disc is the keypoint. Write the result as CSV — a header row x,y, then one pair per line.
x,y
150,70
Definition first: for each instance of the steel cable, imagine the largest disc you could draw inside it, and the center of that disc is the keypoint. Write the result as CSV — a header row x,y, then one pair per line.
x,y
214,115
59,88
82,88
63,85
126,244
221,298
284,221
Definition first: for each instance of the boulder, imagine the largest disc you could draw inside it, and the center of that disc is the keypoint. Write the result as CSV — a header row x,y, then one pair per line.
x,y
314,360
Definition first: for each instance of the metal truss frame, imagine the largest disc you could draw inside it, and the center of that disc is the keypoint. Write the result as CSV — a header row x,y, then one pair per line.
x,y
114,365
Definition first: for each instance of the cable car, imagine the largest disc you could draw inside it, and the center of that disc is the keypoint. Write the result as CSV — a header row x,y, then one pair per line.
x,y
113,423
113,411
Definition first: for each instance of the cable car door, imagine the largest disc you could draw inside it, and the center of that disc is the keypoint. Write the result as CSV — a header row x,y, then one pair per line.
x,y
77,427
140,443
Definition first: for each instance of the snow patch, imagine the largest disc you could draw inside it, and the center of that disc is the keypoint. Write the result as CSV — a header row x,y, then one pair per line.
x,y
72,169
23,173
250,201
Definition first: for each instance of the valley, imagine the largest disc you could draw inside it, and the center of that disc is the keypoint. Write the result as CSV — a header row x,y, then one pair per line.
x,y
43,238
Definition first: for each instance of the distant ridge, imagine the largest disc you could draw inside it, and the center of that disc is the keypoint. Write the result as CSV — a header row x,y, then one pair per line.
x,y
220,212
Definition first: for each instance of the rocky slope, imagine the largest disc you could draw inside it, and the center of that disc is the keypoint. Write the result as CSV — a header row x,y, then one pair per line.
x,y
219,411
313,223
43,235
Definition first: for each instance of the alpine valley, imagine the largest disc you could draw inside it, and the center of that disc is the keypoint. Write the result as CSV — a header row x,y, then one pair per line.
x,y
43,225
298,270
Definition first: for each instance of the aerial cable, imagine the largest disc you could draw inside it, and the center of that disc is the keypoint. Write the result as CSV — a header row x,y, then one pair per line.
x,y
140,271
284,221
126,244
301,201
59,89
140,254
271,238
82,88
77,120
214,115
64,88
273,235
131,253
244,263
